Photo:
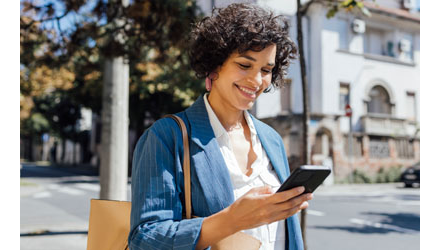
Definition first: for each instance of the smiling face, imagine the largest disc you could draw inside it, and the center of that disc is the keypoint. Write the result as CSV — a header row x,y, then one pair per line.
x,y
242,78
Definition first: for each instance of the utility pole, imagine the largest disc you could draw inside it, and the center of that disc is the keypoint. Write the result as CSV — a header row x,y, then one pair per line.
x,y
306,115
114,135
349,113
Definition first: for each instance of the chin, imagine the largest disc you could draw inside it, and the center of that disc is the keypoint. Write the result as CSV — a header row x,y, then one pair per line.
x,y
247,106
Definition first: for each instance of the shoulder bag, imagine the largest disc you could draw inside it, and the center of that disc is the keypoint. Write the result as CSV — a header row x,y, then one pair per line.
x,y
109,221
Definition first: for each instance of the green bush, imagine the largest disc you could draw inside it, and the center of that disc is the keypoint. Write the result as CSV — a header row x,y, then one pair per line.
x,y
384,175
360,176
391,174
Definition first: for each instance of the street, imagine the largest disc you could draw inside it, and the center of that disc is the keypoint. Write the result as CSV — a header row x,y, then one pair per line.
x,y
379,216
54,211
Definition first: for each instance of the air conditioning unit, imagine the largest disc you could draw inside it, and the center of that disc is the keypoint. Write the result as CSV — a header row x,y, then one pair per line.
x,y
405,45
358,26
409,4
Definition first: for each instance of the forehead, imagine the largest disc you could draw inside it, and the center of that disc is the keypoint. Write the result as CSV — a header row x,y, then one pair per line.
x,y
267,54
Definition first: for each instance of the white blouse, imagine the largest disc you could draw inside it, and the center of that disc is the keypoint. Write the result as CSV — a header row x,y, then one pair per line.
x,y
272,236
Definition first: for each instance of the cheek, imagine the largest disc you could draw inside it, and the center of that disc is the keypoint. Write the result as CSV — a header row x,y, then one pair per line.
x,y
264,86
266,81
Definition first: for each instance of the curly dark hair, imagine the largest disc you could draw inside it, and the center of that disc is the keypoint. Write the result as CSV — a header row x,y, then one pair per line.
x,y
240,27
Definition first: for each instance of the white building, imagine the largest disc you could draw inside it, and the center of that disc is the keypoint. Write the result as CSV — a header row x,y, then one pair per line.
x,y
371,62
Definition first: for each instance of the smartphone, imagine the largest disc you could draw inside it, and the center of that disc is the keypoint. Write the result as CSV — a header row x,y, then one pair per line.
x,y
309,176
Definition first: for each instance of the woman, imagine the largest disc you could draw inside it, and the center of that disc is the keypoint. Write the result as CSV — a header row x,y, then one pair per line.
x,y
237,162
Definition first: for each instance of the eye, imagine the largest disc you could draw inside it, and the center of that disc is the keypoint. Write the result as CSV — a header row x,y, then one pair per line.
x,y
244,66
266,71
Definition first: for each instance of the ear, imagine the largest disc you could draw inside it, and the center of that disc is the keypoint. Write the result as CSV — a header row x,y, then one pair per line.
x,y
213,75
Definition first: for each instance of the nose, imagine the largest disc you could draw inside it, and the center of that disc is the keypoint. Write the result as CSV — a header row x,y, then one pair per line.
x,y
256,79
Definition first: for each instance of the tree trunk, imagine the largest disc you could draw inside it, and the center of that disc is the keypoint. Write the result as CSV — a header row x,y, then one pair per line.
x,y
63,150
306,114
114,139
31,147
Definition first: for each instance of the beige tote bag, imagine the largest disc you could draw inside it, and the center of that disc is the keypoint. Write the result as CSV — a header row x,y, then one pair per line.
x,y
109,221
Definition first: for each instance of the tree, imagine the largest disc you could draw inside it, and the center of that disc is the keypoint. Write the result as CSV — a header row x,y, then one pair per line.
x,y
144,38
40,77
156,39
333,7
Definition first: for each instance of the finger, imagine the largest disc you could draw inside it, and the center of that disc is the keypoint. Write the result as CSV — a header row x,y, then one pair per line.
x,y
289,212
304,205
294,202
287,195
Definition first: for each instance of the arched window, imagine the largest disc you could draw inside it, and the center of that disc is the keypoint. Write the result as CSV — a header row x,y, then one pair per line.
x,y
379,101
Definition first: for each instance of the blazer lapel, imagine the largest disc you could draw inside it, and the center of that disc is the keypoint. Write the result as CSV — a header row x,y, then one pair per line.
x,y
272,148
209,164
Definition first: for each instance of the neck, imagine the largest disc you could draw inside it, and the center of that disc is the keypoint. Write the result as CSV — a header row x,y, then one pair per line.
x,y
230,117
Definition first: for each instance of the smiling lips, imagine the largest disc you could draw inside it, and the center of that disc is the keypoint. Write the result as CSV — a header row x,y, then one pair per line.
x,y
248,92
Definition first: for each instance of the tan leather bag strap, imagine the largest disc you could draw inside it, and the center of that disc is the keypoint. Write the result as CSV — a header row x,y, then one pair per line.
x,y
186,164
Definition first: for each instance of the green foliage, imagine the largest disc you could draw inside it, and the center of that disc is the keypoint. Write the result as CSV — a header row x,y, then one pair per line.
x,y
384,175
347,5
36,124
152,35
392,174
360,176
61,113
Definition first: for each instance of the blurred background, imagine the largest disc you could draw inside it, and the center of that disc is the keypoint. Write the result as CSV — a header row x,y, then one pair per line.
x,y
95,74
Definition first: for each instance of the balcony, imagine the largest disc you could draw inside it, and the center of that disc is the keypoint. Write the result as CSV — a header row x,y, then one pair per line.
x,y
376,124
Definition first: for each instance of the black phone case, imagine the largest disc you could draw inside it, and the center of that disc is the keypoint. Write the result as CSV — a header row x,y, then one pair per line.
x,y
309,176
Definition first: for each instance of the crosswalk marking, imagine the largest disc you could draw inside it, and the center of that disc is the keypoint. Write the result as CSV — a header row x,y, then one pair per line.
x,y
43,194
314,212
88,186
53,186
71,191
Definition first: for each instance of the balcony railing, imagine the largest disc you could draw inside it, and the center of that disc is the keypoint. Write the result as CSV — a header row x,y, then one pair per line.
x,y
376,124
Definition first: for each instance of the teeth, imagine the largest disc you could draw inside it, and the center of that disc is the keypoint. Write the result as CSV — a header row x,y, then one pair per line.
x,y
247,91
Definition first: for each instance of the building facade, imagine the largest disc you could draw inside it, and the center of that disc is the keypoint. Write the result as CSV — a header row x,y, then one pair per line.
x,y
371,64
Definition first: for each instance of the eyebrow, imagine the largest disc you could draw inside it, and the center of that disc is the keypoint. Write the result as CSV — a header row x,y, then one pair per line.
x,y
253,59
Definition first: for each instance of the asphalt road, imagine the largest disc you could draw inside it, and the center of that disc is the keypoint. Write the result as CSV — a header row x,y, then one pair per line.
x,y
380,217
54,211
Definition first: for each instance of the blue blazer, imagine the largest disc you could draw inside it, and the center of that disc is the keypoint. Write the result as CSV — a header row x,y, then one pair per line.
x,y
158,186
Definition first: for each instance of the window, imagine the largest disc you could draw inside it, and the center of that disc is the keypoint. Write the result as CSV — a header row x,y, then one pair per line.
x,y
405,148
379,42
379,101
411,106
379,147
344,95
285,96
374,41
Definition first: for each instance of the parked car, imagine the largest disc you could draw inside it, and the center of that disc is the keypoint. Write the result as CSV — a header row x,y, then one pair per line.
x,y
411,175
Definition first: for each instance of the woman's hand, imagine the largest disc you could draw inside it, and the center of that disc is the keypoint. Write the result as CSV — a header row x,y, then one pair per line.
x,y
257,207
261,206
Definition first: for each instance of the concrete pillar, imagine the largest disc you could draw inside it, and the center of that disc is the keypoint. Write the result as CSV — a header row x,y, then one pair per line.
x,y
114,136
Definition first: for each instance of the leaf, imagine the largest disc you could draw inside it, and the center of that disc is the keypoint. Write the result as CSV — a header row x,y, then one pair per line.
x,y
332,12
347,3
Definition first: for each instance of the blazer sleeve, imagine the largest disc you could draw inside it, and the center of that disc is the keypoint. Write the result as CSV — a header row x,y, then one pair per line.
x,y
156,213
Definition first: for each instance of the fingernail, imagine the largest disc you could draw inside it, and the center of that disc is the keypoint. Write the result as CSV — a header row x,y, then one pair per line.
x,y
301,189
304,205
310,196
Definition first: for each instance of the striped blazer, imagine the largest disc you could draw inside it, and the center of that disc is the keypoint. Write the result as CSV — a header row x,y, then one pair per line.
x,y
157,181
